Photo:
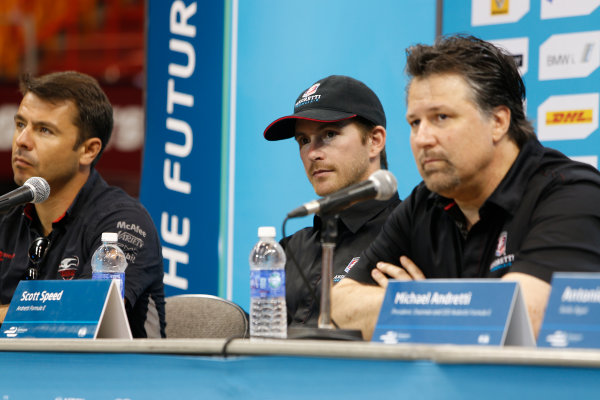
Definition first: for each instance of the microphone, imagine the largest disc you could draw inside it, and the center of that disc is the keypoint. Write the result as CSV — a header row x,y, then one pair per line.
x,y
34,190
381,185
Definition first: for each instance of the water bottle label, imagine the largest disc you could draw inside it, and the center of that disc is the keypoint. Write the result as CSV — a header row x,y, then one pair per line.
x,y
265,283
118,276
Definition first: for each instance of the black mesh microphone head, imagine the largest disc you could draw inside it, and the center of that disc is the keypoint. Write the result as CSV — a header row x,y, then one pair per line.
x,y
385,183
39,187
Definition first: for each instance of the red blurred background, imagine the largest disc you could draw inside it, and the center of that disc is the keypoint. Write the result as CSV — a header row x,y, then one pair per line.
x,y
102,38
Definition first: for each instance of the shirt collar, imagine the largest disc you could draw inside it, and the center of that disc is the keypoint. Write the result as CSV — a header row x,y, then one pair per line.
x,y
509,192
31,214
80,198
359,214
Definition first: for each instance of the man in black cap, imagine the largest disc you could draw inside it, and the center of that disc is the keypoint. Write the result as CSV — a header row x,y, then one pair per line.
x,y
339,124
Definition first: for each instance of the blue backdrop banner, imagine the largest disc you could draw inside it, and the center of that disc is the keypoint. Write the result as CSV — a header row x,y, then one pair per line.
x,y
181,174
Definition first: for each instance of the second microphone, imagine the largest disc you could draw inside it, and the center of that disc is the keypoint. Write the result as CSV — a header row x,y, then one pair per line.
x,y
381,185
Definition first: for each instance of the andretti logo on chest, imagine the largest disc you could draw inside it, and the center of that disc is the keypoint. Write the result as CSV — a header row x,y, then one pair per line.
x,y
503,260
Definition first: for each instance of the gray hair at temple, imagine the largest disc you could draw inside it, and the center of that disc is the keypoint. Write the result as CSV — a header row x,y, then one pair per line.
x,y
491,73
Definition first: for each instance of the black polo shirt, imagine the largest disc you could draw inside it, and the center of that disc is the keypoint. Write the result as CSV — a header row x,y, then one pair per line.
x,y
543,217
357,227
74,238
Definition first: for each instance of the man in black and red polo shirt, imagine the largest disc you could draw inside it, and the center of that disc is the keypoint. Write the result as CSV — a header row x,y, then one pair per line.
x,y
62,126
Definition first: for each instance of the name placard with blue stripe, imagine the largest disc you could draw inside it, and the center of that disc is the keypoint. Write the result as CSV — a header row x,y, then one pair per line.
x,y
85,309
572,316
470,312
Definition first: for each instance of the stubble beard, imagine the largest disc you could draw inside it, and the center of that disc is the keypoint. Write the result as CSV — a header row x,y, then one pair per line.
x,y
355,174
442,182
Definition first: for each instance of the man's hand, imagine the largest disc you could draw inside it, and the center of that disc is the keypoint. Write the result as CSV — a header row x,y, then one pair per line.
x,y
407,272
356,305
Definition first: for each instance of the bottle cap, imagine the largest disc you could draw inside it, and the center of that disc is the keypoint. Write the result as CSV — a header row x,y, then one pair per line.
x,y
110,237
266,232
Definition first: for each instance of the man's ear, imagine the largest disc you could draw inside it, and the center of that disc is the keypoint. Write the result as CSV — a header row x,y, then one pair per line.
x,y
501,121
89,150
377,140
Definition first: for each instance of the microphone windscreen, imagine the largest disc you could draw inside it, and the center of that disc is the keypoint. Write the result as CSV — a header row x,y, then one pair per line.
x,y
385,182
39,187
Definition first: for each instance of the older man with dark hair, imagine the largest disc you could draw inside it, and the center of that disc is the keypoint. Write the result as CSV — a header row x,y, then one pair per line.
x,y
62,126
494,203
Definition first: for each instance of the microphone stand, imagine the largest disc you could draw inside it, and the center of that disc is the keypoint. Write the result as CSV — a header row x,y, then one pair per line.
x,y
328,237
326,329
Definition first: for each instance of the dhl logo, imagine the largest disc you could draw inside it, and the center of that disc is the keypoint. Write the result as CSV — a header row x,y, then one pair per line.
x,y
569,117
499,7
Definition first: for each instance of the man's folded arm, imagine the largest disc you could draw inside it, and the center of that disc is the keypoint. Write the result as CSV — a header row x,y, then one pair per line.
x,y
356,305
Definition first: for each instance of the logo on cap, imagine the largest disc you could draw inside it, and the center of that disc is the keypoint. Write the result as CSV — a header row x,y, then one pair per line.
x,y
311,90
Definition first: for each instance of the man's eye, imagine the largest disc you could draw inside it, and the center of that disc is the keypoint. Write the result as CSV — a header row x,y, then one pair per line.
x,y
330,134
414,123
302,140
442,116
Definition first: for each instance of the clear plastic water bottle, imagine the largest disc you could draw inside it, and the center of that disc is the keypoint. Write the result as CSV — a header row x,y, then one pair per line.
x,y
268,315
108,261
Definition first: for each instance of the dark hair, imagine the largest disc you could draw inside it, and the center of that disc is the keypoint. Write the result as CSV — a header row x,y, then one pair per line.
x,y
366,127
95,113
490,72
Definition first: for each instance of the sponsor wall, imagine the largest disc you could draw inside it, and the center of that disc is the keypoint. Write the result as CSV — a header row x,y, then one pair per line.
x,y
557,45
218,74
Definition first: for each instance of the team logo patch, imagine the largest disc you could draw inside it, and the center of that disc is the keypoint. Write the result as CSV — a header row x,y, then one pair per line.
x,y
68,267
131,227
131,239
501,248
351,264
309,96
311,90
130,252
503,260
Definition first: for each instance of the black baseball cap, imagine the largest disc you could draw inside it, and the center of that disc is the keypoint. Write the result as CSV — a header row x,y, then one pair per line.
x,y
331,99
